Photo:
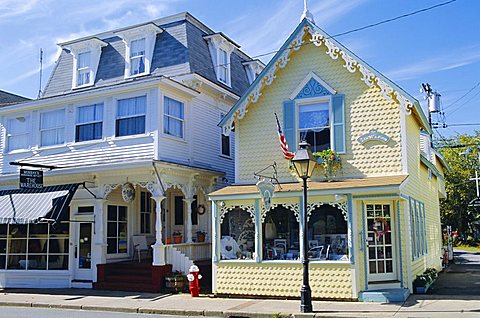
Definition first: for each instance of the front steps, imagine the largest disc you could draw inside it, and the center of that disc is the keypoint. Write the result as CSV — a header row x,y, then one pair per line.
x,y
387,295
131,276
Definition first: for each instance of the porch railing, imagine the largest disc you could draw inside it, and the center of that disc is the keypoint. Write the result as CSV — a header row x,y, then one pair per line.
x,y
195,251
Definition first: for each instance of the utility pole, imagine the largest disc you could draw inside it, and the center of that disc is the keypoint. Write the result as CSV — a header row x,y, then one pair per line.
x,y
433,102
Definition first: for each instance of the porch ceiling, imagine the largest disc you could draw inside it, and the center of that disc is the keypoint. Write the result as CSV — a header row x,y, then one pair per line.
x,y
315,185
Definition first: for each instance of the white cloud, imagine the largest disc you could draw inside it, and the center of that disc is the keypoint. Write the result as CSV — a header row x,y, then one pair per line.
x,y
448,61
13,8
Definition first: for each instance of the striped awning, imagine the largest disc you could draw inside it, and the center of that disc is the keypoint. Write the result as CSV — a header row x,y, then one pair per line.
x,y
21,206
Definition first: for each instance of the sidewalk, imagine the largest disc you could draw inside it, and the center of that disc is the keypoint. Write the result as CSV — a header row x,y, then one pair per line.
x,y
185,305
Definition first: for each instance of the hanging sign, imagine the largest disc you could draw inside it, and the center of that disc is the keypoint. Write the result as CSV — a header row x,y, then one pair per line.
x,y
373,135
266,189
128,192
31,179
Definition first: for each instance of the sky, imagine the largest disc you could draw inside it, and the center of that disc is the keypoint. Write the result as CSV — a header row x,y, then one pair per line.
x,y
440,46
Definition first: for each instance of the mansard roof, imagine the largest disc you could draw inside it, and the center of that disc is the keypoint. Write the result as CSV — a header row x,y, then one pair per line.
x,y
179,50
371,77
7,98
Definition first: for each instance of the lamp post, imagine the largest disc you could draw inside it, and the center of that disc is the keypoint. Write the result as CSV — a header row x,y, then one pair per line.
x,y
304,163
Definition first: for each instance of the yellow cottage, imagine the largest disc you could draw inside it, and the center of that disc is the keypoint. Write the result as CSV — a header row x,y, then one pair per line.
x,y
372,229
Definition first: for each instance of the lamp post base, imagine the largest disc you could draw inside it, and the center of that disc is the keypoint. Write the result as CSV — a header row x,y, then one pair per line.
x,y
306,299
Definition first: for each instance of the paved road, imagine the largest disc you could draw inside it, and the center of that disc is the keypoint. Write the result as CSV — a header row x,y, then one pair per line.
x,y
19,312
460,278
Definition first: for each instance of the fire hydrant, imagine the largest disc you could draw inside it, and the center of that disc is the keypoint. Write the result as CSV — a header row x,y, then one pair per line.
x,y
194,278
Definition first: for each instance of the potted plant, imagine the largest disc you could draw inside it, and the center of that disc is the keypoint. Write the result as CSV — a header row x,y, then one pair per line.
x,y
201,236
422,283
175,281
177,238
330,163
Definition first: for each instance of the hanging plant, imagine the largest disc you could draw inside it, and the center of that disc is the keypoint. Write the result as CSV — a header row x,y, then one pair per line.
x,y
329,161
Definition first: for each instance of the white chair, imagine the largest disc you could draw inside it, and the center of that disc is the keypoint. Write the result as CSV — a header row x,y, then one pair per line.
x,y
139,246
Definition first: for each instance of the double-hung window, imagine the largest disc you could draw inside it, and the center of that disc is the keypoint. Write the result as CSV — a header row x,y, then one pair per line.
x,y
173,118
146,208
137,57
89,122
18,133
314,125
223,66
83,68
225,146
117,229
52,127
131,116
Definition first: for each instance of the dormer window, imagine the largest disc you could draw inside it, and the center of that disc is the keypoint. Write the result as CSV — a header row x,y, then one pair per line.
x,y
221,49
253,69
83,69
139,45
86,56
137,57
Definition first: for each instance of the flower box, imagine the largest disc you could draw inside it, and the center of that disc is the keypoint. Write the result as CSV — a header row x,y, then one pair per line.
x,y
423,282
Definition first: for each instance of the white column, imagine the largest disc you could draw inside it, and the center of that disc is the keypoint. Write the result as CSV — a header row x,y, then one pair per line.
x,y
188,235
158,247
99,252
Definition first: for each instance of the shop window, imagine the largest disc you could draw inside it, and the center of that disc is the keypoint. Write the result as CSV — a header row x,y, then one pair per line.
x,y
280,235
237,235
327,234
117,229
41,246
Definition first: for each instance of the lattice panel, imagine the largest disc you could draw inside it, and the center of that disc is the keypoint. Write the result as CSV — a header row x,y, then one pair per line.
x,y
284,280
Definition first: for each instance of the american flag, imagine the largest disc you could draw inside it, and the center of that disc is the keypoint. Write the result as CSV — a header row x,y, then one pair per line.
x,y
287,154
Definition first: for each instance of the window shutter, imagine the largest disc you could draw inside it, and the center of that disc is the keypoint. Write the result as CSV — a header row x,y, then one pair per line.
x,y
338,107
289,124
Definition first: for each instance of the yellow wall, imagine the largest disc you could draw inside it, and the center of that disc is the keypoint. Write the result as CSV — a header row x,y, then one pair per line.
x,y
365,109
330,281
419,187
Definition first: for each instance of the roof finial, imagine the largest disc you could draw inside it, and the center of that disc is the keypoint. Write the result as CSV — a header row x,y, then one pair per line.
x,y
307,14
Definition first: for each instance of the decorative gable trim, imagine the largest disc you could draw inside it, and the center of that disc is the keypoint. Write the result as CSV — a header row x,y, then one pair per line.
x,y
149,33
94,46
370,77
312,86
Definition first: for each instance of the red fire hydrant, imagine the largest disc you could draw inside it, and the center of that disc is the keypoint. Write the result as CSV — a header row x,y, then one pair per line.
x,y
194,278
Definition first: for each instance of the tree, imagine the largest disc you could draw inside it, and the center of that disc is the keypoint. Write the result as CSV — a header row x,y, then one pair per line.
x,y
462,154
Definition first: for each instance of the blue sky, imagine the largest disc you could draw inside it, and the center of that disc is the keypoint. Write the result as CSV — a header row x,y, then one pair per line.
x,y
441,46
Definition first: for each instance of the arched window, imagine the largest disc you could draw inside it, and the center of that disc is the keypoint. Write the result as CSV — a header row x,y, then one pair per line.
x,y
280,235
237,235
328,234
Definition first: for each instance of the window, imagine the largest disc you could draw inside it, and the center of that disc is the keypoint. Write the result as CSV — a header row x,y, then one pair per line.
x,y
85,209
146,207
223,66
137,57
117,229
418,228
131,116
52,127
327,234
89,122
237,235
178,210
194,207
83,68
18,133
280,235
173,118
314,125
38,246
225,142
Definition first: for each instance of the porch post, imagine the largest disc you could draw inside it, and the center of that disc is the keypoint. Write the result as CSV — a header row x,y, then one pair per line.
x,y
188,235
100,244
158,247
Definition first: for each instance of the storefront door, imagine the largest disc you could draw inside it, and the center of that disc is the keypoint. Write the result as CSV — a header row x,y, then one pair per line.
x,y
83,251
380,243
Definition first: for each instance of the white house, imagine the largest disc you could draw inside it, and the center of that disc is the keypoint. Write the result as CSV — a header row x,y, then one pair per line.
x,y
126,135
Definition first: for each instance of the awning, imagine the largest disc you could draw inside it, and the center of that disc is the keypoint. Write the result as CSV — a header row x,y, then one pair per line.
x,y
346,184
21,206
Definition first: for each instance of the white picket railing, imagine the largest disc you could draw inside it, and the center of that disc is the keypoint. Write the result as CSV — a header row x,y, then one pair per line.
x,y
182,256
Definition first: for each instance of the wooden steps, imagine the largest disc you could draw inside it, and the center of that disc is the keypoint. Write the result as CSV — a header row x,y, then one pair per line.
x,y
131,276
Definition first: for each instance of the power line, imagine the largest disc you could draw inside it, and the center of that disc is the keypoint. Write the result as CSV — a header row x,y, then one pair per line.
x,y
330,37
471,89
464,124
395,18
468,101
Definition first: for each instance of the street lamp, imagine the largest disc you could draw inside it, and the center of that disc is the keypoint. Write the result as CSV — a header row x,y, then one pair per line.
x,y
304,163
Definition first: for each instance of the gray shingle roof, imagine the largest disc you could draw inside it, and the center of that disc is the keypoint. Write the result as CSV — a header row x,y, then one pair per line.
x,y
7,98
179,50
